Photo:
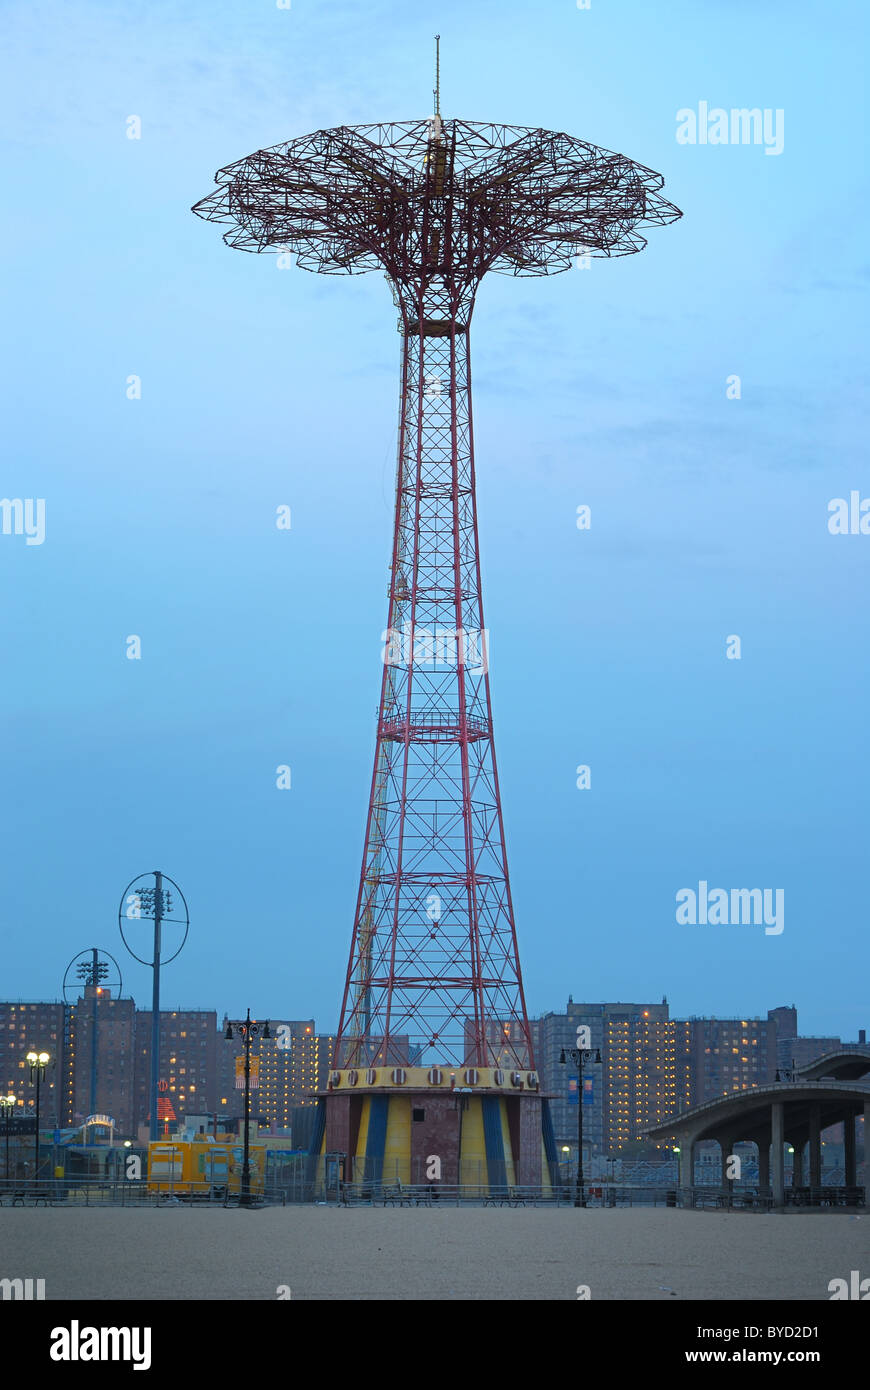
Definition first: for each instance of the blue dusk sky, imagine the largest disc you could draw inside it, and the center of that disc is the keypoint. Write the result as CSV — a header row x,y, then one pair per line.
x,y
604,387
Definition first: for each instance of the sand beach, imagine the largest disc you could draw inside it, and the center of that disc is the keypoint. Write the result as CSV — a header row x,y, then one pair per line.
x,y
312,1252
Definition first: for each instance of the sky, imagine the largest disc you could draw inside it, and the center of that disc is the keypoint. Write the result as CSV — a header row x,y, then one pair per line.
x,y
605,387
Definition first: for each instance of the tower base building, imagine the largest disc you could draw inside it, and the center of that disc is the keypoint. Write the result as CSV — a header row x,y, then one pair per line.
x,y
476,1127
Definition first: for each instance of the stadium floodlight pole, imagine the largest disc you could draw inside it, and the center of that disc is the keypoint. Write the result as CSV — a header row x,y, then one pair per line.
x,y
90,971
92,975
155,904
157,901
435,204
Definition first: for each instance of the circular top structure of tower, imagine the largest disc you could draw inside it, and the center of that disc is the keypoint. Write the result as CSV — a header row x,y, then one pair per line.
x,y
437,199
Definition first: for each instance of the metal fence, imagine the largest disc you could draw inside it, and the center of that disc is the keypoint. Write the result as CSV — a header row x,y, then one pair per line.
x,y
306,1187
98,1192
494,1195
665,1172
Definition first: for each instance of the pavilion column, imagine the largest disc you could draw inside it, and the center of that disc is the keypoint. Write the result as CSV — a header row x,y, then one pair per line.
x,y
797,1175
866,1150
776,1143
764,1163
687,1171
726,1146
849,1154
815,1146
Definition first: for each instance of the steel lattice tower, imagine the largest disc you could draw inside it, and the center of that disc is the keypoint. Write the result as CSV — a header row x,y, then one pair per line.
x,y
434,974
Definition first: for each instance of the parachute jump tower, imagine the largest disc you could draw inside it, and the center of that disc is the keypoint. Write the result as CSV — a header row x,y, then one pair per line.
x,y
434,1051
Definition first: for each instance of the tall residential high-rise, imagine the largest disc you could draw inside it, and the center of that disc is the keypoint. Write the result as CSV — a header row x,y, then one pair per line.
x,y
790,1051
188,1055
115,1059
645,1074
653,1067
731,1054
293,1065
648,1071
40,1026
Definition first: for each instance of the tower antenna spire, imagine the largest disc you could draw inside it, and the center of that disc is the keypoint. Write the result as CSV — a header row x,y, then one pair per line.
x,y
437,87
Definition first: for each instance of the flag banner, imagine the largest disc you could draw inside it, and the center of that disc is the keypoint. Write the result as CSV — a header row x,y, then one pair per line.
x,y
254,1077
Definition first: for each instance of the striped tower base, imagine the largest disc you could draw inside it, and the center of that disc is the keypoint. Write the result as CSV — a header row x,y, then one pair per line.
x,y
476,1128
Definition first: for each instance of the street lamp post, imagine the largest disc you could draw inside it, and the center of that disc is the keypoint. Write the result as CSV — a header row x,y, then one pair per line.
x,y
38,1061
7,1105
249,1030
580,1056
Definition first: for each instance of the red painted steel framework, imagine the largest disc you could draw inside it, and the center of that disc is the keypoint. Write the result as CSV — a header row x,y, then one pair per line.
x,y
434,972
